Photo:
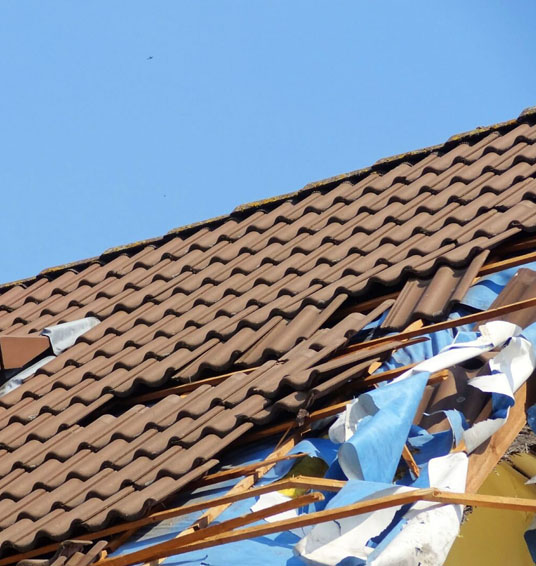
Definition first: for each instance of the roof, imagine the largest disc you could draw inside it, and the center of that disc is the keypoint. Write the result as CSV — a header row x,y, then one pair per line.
x,y
276,288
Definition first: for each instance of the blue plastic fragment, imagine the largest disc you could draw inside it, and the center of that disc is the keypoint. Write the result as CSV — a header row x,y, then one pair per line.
x,y
374,451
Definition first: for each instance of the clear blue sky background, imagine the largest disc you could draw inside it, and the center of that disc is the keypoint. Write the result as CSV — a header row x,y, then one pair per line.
x,y
242,100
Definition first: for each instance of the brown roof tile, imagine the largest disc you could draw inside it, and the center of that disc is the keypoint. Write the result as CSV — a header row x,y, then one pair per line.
x,y
429,298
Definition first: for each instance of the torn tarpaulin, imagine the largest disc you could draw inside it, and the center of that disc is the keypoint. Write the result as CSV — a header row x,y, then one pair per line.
x,y
429,530
403,535
512,366
509,370
490,335
418,540
375,427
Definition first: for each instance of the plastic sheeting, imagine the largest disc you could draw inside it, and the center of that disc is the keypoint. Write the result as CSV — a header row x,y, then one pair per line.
x,y
510,369
374,429
393,535
63,336
22,376
490,335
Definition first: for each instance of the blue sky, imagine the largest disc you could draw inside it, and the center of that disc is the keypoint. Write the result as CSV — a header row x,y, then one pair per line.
x,y
102,145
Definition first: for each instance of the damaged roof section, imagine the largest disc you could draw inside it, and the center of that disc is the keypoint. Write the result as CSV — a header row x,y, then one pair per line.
x,y
257,318
429,298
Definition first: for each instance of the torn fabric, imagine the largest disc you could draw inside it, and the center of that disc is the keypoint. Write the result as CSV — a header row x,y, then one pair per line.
x,y
430,529
491,335
375,427
510,368
63,336
416,535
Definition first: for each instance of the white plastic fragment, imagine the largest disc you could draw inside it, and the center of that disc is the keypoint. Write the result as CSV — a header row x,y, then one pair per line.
x,y
431,529
492,335
275,498
329,543
269,500
511,367
63,336
346,423
20,377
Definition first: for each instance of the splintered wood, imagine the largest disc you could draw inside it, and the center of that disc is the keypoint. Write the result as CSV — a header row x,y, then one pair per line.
x,y
225,533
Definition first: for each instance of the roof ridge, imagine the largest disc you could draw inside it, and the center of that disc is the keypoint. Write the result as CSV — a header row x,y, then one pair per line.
x,y
381,166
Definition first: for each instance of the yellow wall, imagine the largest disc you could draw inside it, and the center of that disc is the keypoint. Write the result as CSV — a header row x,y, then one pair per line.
x,y
492,537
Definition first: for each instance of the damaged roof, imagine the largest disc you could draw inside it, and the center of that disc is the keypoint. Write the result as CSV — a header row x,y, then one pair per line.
x,y
276,289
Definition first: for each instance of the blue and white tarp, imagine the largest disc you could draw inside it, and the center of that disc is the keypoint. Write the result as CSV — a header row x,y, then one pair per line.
x,y
403,535
365,446
374,428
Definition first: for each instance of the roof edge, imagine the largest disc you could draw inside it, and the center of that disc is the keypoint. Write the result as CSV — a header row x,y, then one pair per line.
x,y
381,166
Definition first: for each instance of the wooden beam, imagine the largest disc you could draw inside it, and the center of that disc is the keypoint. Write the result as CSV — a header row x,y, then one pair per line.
x,y
405,343
410,461
335,409
386,375
368,305
252,517
468,319
173,547
524,244
488,501
308,482
485,458
239,471
496,266
119,541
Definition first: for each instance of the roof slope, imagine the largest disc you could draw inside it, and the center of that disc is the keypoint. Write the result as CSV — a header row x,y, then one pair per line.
x,y
258,287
